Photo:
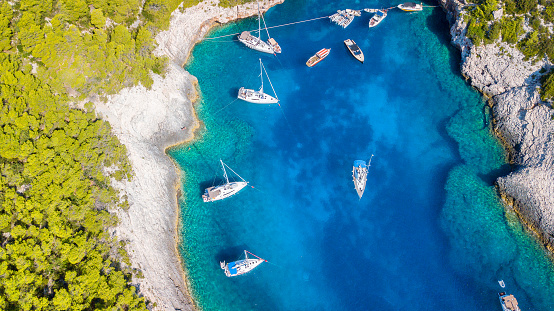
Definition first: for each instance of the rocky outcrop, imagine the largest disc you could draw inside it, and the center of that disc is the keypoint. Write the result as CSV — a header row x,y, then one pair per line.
x,y
522,121
147,122
526,125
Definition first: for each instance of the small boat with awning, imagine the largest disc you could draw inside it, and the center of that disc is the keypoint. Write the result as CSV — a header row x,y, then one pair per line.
x,y
354,50
319,56
508,302
410,7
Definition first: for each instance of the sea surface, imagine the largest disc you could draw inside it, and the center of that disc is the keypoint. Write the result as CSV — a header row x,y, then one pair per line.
x,y
430,232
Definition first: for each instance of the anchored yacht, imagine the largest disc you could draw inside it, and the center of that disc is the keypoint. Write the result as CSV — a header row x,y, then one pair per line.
x,y
359,175
226,190
241,266
258,97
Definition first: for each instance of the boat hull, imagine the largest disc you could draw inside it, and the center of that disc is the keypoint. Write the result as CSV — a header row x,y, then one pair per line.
x,y
354,50
359,176
240,266
256,43
377,18
410,10
508,302
410,7
223,191
256,97
319,56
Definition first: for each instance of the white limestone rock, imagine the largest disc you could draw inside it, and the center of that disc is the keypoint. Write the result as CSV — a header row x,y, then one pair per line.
x,y
497,68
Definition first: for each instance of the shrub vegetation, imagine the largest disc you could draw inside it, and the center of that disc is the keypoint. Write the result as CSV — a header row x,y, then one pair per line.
x,y
535,44
57,162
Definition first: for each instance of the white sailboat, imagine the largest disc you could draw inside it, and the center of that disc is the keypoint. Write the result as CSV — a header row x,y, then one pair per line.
x,y
256,43
359,175
226,190
258,97
241,266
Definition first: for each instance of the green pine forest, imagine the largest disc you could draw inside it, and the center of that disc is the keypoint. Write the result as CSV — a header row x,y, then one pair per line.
x,y
57,159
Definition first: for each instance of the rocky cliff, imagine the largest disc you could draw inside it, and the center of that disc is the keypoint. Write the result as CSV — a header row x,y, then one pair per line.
x,y
522,121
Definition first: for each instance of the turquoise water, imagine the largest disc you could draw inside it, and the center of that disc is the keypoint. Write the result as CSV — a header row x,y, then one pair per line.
x,y
430,232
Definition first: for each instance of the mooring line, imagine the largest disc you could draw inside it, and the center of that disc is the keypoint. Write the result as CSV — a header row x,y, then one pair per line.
x,y
234,34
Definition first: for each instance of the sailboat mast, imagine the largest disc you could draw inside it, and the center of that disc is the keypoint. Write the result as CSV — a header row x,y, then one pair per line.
x,y
224,172
261,76
265,26
271,84
259,24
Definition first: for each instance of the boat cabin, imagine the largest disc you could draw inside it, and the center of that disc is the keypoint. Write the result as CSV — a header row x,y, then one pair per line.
x,y
510,302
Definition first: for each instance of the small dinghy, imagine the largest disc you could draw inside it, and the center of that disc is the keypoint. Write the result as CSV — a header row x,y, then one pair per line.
x,y
241,266
354,50
319,56
410,7
377,18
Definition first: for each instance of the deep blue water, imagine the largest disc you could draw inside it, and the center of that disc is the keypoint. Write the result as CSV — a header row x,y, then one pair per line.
x,y
429,233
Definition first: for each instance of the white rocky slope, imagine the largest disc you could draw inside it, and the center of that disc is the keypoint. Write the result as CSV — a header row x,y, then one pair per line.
x,y
147,122
521,119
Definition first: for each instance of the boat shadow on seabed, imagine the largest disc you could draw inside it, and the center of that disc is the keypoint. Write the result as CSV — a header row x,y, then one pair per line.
x,y
230,253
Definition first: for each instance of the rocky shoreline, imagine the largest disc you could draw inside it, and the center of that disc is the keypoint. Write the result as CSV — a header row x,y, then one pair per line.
x,y
148,122
521,120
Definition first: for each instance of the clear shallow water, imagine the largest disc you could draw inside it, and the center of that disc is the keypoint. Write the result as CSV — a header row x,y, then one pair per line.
x,y
429,233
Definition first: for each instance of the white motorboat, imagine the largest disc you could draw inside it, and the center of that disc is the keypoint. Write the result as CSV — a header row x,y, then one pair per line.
x,y
377,18
410,6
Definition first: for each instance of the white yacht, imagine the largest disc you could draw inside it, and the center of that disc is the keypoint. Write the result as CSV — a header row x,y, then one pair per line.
x,y
258,97
410,7
241,266
256,43
359,175
226,190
